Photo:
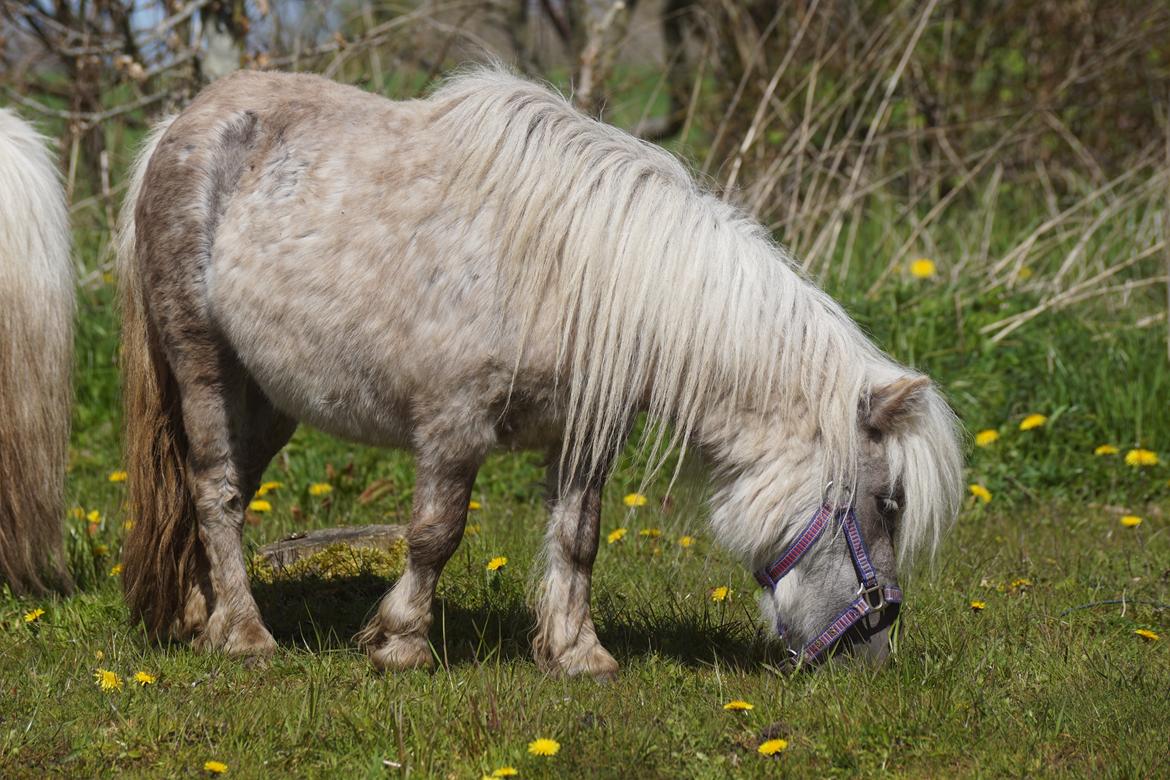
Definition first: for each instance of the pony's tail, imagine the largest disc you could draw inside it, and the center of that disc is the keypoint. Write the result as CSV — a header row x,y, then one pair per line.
x,y
162,546
36,358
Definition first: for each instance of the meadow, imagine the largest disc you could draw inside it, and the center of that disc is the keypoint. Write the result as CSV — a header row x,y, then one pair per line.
x,y
1035,643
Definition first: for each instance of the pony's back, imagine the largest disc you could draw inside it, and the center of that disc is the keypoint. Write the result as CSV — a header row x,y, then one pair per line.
x,y
36,353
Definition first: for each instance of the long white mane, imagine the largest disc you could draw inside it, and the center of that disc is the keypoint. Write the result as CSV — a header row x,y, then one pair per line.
x,y
673,299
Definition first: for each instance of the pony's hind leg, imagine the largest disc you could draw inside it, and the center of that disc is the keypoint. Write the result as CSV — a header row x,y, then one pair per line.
x,y
221,464
396,637
566,642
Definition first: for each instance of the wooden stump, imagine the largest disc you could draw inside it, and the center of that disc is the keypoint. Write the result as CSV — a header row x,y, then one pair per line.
x,y
293,548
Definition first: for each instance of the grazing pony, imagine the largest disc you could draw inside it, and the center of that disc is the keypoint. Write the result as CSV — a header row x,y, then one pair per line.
x,y
36,357
484,268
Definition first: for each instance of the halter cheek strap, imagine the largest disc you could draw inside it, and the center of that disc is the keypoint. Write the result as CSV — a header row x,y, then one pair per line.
x,y
871,597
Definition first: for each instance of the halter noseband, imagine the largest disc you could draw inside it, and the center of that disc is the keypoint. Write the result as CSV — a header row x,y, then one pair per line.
x,y
871,597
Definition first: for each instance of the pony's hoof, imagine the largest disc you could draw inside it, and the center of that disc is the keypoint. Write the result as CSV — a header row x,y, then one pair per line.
x,y
250,640
592,660
402,652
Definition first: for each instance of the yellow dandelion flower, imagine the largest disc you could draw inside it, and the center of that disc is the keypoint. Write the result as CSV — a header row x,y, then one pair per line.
x,y
506,771
653,533
471,529
544,747
616,535
981,493
686,541
1140,457
978,605
497,563
772,747
1131,521
269,487
98,654
101,550
215,767
93,517
117,476
474,505
1033,421
260,505
922,268
1147,634
1020,583
634,499
33,615
144,678
77,513
115,570
107,680
1106,449
986,438
738,705
320,489
721,593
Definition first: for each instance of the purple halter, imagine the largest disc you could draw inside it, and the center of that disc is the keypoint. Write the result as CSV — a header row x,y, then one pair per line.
x,y
872,597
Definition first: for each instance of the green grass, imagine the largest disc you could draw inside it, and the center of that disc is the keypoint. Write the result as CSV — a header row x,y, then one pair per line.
x,y
1046,680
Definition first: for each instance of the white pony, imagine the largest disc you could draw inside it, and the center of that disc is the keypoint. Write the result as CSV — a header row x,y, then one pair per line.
x,y
489,267
36,356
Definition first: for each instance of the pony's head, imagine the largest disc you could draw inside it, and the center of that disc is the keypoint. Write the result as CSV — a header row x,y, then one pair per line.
x,y
836,587
832,532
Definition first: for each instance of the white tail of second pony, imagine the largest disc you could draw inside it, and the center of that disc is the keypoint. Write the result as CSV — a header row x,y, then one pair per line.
x,y
36,355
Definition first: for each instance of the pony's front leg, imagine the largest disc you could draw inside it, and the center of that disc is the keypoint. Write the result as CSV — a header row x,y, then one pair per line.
x,y
566,642
396,638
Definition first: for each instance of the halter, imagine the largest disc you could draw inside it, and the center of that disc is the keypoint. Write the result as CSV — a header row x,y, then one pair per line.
x,y
872,597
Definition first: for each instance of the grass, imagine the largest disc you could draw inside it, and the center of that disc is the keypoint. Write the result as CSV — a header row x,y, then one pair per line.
x,y
1048,679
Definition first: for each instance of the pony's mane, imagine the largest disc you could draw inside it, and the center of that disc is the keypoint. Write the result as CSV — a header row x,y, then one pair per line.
x,y
670,296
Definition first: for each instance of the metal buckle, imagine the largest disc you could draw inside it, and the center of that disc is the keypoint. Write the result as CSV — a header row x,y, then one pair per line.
x,y
874,596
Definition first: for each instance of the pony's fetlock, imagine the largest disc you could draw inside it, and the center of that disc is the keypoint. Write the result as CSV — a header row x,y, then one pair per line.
x,y
235,635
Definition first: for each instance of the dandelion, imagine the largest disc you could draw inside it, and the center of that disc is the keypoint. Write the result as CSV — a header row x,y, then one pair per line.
x,y
260,505
215,767
101,550
616,535
721,593
986,438
686,541
1140,457
506,771
117,476
107,680
1106,449
1131,521
471,529
473,505
33,615
269,487
93,517
77,513
497,563
115,570
144,678
772,747
1033,421
738,705
127,525
544,747
1147,634
977,606
320,489
981,493
634,499
922,268
1019,583
653,533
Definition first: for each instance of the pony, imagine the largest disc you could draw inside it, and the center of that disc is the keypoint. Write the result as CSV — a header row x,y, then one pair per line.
x,y
36,358
483,268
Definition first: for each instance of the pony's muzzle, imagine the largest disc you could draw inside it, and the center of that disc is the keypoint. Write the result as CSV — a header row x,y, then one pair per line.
x,y
868,640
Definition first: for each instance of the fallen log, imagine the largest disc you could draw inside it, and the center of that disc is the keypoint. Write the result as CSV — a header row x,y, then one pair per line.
x,y
295,547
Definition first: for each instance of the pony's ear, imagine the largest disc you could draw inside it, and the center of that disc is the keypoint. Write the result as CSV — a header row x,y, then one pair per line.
x,y
890,407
